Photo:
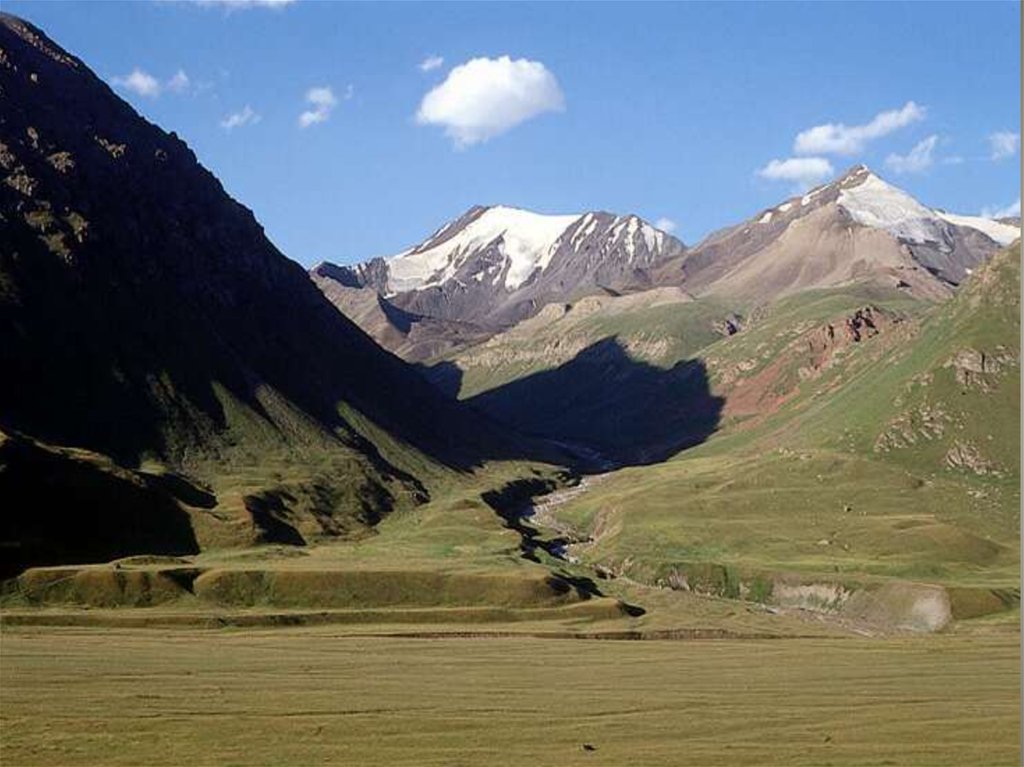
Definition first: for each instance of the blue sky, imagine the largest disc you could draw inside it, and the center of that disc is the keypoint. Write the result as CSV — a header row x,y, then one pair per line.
x,y
671,111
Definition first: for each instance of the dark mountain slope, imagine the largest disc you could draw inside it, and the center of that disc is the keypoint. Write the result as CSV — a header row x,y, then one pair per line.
x,y
145,316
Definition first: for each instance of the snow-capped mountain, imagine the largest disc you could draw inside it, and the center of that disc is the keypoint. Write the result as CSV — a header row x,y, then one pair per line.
x,y
856,228
872,202
497,265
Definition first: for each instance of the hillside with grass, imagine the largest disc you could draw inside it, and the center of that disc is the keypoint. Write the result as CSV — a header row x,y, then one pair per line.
x,y
177,388
157,346
879,446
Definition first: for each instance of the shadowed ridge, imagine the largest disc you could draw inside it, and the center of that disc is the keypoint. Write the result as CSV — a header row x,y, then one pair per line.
x,y
75,506
629,411
146,317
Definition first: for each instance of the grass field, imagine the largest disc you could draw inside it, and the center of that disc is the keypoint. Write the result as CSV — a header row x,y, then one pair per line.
x,y
316,696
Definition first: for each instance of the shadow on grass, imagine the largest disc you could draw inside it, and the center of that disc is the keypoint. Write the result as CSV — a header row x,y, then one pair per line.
x,y
61,508
627,410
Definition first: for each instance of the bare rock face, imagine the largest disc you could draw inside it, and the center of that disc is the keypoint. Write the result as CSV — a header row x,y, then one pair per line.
x,y
729,326
413,337
863,324
977,369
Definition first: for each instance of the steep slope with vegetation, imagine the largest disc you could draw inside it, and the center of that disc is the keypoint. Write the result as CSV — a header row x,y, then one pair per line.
x,y
146,318
878,445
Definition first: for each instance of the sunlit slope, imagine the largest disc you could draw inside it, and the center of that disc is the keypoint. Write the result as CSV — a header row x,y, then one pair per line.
x,y
892,455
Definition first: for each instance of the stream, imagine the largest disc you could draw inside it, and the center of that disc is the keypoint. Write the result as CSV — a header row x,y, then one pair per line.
x,y
539,513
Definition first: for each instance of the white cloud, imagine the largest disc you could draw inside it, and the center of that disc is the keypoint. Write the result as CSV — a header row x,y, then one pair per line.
x,y
837,138
1010,211
350,91
179,83
322,101
139,82
430,63
241,4
804,172
247,116
1003,144
484,98
916,160
665,225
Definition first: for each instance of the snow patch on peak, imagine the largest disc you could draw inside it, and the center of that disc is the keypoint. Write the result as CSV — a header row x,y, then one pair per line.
x,y
856,175
629,230
874,203
527,240
653,238
585,228
1002,233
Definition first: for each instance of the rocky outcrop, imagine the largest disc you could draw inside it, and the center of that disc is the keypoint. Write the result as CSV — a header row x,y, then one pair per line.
x,y
966,455
974,368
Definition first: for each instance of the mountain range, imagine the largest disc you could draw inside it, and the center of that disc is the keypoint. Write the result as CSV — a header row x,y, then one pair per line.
x,y
172,383
857,228
496,266
491,268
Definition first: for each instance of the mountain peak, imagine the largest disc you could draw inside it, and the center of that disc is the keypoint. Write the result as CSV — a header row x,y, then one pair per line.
x,y
855,175
859,169
498,264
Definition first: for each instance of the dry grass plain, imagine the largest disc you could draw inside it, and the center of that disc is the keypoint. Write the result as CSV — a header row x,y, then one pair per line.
x,y
78,696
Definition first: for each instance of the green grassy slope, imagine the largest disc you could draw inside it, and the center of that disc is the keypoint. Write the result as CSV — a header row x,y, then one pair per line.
x,y
893,456
660,328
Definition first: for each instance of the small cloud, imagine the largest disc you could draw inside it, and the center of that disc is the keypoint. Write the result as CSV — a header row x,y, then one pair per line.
x,y
139,82
804,172
247,116
179,83
243,4
322,101
350,91
484,98
665,225
837,138
1003,144
953,160
1010,211
916,160
431,63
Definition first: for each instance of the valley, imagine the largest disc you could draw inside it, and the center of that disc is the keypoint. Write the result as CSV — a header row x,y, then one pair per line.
x,y
289,697
545,488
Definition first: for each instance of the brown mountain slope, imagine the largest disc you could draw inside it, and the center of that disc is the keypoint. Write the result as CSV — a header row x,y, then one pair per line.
x,y
855,229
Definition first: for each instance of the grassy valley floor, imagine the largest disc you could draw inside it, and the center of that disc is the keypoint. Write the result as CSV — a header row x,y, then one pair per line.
x,y
74,696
